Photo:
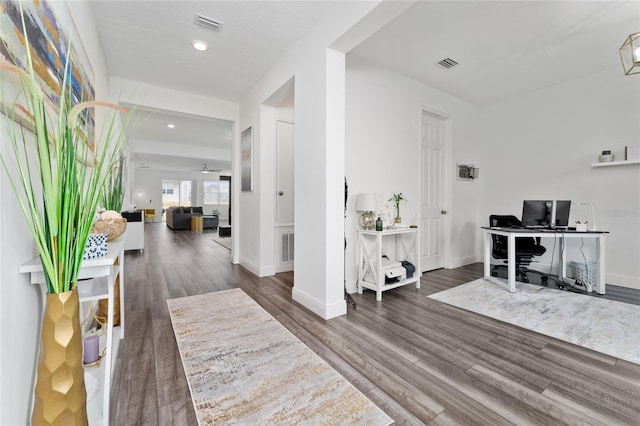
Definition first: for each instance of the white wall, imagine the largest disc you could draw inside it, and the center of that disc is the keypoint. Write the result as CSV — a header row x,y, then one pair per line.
x,y
541,146
20,301
383,153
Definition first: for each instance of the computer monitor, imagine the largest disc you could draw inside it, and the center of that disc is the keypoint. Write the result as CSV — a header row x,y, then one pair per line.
x,y
561,215
537,213
545,213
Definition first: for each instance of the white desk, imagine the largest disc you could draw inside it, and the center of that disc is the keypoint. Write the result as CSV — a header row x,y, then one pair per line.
x,y
370,249
513,233
104,271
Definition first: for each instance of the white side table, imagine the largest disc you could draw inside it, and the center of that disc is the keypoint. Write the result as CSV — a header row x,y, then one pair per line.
x,y
398,244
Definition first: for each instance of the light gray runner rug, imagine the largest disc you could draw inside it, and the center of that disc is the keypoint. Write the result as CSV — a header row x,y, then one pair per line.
x,y
244,367
223,241
602,325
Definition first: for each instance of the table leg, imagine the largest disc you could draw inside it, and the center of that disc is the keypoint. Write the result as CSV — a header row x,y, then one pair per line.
x,y
563,259
511,259
487,254
360,264
600,277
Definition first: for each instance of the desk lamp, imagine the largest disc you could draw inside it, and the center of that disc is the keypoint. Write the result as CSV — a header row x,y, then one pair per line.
x,y
593,214
367,204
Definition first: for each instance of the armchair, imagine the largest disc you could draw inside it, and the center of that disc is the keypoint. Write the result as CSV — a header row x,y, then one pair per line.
x,y
526,248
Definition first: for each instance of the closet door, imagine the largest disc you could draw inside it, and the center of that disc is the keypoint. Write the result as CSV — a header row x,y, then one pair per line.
x,y
284,173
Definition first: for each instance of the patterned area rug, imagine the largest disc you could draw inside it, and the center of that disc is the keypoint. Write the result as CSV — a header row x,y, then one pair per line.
x,y
602,325
244,367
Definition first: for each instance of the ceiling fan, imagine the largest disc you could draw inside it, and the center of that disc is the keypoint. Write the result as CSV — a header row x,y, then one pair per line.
x,y
205,169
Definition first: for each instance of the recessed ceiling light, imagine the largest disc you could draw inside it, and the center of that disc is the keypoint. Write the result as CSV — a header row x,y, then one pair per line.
x,y
199,45
171,126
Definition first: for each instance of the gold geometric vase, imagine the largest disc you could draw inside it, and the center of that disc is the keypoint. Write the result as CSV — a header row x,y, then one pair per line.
x,y
60,395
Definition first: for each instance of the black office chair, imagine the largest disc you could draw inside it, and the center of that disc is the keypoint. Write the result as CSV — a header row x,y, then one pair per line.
x,y
526,248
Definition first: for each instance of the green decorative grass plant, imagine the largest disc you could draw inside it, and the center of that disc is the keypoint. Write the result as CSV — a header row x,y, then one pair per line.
x,y
114,187
56,174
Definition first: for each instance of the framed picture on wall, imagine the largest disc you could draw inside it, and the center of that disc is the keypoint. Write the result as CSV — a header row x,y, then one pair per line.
x,y
246,160
49,27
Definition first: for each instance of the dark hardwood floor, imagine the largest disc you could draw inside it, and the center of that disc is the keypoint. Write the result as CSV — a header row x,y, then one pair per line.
x,y
421,361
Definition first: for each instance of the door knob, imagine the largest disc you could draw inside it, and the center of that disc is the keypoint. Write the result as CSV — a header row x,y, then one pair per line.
x,y
443,212
281,193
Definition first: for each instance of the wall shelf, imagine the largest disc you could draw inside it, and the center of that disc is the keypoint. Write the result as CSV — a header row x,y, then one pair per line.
x,y
615,163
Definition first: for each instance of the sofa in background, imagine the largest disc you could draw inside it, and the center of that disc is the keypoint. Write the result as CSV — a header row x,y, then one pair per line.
x,y
180,218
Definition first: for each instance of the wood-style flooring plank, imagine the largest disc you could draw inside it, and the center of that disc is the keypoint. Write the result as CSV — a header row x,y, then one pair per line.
x,y
420,360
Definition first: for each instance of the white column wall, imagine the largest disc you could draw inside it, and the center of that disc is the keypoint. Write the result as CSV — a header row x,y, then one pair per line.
x,y
318,193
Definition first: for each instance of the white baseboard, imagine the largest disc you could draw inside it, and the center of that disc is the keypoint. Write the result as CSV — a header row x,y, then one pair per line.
x,y
264,271
623,281
352,287
249,266
317,307
464,261
285,267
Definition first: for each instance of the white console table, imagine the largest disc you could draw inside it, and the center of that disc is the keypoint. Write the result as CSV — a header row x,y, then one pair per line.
x,y
398,244
104,272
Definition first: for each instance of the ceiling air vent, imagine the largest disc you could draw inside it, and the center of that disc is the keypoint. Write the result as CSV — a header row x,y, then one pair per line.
x,y
210,23
447,63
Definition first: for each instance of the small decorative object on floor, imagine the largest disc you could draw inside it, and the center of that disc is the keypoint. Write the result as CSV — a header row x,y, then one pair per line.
x,y
109,222
224,231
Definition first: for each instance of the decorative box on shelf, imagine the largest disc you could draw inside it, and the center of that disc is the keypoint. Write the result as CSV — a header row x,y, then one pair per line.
x,y
96,246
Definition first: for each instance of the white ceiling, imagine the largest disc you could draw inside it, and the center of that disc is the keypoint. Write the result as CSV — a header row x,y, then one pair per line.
x,y
150,41
190,134
504,48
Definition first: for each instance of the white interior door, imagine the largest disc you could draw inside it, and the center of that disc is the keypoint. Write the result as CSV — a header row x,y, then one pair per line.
x,y
432,208
284,173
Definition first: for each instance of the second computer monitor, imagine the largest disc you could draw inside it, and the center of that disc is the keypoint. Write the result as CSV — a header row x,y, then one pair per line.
x,y
562,213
